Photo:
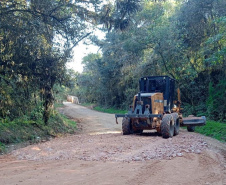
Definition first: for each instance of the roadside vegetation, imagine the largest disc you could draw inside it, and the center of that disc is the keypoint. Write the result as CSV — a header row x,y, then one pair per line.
x,y
104,109
213,129
33,130
109,110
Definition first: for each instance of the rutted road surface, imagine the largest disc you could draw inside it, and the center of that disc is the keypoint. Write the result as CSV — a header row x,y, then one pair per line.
x,y
99,154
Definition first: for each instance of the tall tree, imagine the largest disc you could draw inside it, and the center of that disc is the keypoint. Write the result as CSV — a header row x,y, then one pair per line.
x,y
36,40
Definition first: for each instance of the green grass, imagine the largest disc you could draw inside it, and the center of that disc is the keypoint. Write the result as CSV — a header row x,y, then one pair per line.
x,y
110,110
59,125
57,105
68,121
2,148
22,130
105,110
213,129
88,104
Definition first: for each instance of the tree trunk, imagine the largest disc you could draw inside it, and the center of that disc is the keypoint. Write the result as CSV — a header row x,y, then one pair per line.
x,y
48,103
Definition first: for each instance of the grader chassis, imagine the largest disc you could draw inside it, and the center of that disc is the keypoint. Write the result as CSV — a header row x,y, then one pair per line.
x,y
154,107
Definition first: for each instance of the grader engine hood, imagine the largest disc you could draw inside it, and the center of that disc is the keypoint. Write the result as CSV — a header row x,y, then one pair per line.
x,y
145,105
148,103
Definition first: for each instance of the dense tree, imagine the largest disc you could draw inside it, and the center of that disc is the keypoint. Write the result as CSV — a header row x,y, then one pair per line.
x,y
36,39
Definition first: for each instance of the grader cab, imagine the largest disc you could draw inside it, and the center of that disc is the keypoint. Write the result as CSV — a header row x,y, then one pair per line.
x,y
154,107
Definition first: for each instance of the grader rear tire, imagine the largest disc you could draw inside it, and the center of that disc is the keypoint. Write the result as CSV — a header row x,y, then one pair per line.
x,y
167,127
176,123
126,126
191,128
138,131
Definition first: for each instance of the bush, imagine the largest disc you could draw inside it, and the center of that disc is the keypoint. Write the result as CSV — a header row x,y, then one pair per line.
x,y
216,102
213,129
26,129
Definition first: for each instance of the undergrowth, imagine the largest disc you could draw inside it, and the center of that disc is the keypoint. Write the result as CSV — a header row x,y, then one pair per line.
x,y
105,110
26,129
88,104
2,147
110,110
58,105
213,129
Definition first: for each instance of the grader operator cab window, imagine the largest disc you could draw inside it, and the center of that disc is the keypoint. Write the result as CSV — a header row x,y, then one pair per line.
x,y
162,84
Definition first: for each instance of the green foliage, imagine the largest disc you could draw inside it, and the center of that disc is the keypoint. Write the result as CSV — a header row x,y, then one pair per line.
x,y
68,121
18,131
60,124
58,105
24,129
119,16
88,104
60,93
216,101
213,129
109,110
2,147
36,40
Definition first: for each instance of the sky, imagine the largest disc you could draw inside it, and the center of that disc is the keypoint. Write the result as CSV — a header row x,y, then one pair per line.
x,y
81,50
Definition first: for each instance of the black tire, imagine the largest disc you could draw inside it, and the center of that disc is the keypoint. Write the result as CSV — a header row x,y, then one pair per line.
x,y
167,127
191,128
126,126
159,133
176,123
138,131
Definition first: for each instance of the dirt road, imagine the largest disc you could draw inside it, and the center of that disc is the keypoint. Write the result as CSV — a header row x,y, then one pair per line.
x,y
100,154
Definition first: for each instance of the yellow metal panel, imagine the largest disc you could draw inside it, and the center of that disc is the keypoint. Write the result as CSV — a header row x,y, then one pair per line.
x,y
157,103
134,99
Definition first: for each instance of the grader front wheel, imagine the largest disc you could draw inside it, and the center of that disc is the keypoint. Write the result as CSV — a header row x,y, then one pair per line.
x,y
176,123
167,127
126,126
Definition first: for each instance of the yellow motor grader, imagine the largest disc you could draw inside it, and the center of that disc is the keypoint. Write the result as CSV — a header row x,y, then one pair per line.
x,y
154,107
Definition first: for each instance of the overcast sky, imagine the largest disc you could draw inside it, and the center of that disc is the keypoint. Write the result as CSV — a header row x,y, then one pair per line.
x,y
82,50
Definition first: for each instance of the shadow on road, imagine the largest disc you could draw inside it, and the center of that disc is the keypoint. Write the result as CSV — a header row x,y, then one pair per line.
x,y
148,134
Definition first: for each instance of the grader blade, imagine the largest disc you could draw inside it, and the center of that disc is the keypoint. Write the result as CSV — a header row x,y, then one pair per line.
x,y
194,121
